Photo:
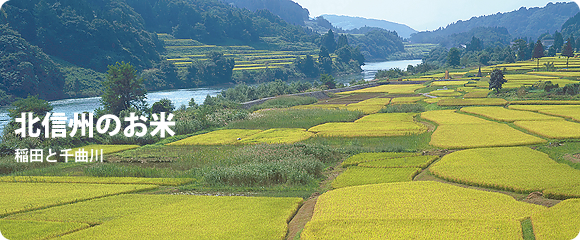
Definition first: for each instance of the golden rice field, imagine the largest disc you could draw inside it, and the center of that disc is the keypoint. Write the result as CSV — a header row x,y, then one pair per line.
x,y
23,229
369,157
435,100
354,176
227,136
445,93
369,106
545,102
320,106
382,124
457,131
557,74
388,88
570,113
175,217
473,102
20,197
407,100
409,209
278,136
559,222
507,115
556,129
96,180
517,169
368,129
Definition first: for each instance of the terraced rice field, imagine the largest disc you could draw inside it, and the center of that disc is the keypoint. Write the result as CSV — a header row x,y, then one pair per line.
x,y
389,88
517,169
167,216
416,210
473,102
457,131
389,125
557,129
559,222
507,115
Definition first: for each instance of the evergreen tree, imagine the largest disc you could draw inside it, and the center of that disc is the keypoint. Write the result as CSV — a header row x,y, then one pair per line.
x,y
342,41
568,51
496,80
453,57
538,51
558,41
475,44
325,60
123,90
328,41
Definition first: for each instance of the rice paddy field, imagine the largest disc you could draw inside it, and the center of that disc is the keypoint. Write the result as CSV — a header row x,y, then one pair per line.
x,y
375,163
183,52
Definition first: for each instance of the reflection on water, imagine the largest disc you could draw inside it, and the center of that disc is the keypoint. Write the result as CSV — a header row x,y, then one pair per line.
x,y
371,69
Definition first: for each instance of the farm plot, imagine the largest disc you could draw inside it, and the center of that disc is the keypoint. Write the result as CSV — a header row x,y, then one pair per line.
x,y
507,115
278,136
107,149
369,106
571,112
21,229
552,129
385,124
559,222
473,102
227,136
97,180
402,162
477,93
294,118
449,83
369,157
354,176
445,93
412,210
407,100
19,197
389,88
517,169
173,216
458,131
545,102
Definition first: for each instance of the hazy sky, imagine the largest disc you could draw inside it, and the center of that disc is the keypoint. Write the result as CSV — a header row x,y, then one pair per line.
x,y
418,14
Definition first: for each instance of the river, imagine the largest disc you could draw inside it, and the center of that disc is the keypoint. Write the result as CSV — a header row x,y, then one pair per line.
x,y
182,96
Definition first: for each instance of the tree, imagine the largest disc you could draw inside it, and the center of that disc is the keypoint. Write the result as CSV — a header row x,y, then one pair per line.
x,y
31,104
328,80
538,51
558,41
325,60
474,45
520,47
568,51
496,80
163,105
342,41
453,57
123,90
328,41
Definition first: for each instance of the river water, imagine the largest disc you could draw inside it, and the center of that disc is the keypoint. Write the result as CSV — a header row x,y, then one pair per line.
x,y
182,96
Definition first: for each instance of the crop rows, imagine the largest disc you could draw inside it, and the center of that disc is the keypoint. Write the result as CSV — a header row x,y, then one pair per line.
x,y
354,176
517,169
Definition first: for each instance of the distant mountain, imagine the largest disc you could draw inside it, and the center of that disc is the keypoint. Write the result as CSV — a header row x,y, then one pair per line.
x,y
524,22
348,23
286,9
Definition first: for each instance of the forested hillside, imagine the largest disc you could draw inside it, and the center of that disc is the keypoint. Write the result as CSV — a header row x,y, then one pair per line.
x,y
288,10
524,22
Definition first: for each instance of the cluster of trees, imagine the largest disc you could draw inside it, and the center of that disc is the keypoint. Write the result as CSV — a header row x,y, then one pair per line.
x,y
348,59
288,10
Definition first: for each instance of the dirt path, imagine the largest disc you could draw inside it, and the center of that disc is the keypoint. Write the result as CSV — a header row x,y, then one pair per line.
x,y
303,216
